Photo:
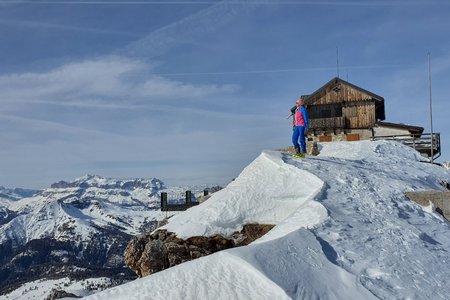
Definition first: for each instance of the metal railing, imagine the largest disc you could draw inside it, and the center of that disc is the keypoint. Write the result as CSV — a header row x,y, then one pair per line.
x,y
420,142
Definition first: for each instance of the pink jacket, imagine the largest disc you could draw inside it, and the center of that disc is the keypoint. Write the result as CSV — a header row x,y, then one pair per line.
x,y
300,117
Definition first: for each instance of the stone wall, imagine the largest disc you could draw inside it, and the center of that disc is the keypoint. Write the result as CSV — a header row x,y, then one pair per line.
x,y
339,135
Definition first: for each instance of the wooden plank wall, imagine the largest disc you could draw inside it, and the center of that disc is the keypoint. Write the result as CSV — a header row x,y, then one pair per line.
x,y
346,94
360,116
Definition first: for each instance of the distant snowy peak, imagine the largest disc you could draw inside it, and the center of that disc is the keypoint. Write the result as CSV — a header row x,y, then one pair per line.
x,y
88,181
88,205
92,189
15,193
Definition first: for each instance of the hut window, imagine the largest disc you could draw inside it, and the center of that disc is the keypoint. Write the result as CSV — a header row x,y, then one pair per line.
x,y
325,111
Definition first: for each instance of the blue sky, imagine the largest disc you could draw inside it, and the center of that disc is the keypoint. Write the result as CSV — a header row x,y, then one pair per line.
x,y
191,91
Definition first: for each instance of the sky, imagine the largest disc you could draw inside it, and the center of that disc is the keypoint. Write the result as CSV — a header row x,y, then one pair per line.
x,y
190,92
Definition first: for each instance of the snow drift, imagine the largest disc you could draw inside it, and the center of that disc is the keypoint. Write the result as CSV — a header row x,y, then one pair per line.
x,y
344,230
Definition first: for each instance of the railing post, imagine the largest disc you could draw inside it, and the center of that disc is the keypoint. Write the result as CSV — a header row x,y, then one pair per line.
x,y
188,197
163,200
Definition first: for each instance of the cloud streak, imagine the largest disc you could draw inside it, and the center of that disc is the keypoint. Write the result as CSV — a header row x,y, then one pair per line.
x,y
241,2
282,70
43,25
188,29
110,79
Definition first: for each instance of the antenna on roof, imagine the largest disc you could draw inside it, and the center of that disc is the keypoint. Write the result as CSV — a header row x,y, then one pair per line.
x,y
431,109
337,61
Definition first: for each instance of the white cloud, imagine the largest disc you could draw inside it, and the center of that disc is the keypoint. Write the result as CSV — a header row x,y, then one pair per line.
x,y
110,78
159,86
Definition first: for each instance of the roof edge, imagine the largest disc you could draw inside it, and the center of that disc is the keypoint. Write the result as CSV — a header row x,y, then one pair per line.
x,y
402,126
336,80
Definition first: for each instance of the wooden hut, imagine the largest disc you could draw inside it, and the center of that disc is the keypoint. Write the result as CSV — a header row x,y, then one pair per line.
x,y
340,111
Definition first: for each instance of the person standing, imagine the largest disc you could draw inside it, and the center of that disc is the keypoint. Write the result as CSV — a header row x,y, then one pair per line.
x,y
300,124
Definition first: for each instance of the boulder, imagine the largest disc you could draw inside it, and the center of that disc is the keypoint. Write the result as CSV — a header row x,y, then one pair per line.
x,y
159,250
59,294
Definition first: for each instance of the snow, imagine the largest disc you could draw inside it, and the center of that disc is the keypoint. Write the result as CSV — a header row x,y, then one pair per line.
x,y
188,281
40,289
267,192
82,203
446,165
87,212
344,230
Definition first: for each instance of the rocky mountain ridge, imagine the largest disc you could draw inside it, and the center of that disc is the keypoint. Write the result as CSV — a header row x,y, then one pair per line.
x,y
7,195
78,228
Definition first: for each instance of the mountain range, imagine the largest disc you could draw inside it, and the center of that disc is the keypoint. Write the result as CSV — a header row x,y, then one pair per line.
x,y
75,228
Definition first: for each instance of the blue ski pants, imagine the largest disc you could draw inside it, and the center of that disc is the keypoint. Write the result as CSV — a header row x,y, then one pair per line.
x,y
299,133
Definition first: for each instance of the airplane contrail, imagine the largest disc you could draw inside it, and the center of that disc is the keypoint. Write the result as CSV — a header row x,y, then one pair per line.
x,y
206,2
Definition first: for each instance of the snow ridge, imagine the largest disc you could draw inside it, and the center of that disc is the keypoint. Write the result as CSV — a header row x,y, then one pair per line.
x,y
344,230
256,197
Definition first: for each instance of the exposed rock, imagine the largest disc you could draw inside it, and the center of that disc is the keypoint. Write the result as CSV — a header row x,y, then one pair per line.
x,y
440,200
445,184
154,252
59,294
313,148
90,181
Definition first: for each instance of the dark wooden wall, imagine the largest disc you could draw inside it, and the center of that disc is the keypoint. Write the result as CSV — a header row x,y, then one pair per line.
x,y
341,106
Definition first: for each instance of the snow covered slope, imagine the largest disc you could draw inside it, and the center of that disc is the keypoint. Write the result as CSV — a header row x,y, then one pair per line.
x,y
7,197
344,230
15,194
76,210
78,228
42,288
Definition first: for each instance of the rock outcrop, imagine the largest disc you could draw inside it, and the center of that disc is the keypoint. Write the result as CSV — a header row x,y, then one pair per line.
x,y
440,200
154,252
60,294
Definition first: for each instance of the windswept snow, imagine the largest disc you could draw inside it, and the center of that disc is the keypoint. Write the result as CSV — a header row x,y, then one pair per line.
x,y
268,191
344,230
190,281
